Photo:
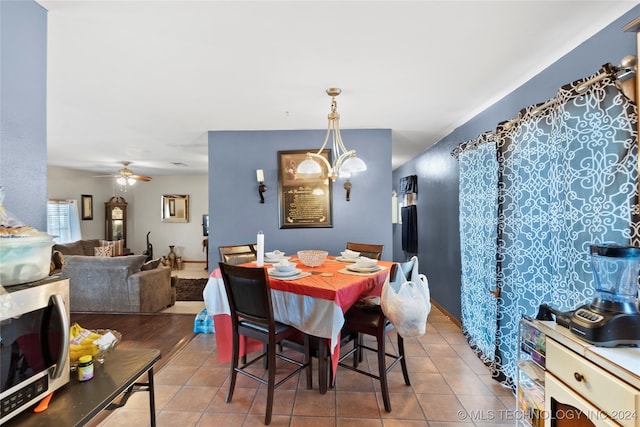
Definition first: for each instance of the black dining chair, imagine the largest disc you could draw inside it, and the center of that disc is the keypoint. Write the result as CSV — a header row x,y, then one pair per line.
x,y
366,250
252,316
366,319
238,254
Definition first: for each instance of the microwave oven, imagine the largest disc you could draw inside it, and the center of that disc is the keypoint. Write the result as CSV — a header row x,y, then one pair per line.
x,y
34,343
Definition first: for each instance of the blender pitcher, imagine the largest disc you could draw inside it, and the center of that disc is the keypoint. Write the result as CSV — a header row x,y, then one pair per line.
x,y
615,273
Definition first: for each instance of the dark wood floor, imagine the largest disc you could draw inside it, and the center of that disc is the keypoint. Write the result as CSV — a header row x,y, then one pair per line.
x,y
167,332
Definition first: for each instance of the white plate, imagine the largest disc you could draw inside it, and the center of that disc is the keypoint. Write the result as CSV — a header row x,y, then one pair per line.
x,y
275,273
274,261
364,269
343,259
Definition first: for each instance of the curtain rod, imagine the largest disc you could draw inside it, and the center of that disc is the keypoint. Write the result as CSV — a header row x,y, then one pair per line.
x,y
627,67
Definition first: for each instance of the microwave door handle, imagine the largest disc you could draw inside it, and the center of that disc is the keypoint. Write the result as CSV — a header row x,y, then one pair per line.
x,y
58,303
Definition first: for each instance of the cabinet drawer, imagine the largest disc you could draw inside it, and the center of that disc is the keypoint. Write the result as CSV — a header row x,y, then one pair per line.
x,y
603,390
555,390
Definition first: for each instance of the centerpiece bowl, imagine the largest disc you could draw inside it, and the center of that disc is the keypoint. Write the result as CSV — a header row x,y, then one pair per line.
x,y
312,258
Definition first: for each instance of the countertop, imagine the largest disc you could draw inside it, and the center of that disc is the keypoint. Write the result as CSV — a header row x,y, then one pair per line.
x,y
623,362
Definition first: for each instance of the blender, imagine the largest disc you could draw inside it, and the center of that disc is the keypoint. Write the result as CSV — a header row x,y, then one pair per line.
x,y
613,317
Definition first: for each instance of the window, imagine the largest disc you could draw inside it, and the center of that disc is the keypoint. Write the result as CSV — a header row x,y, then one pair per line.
x,y
63,221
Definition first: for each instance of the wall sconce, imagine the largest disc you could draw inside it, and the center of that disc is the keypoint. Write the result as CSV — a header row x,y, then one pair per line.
x,y
261,187
347,186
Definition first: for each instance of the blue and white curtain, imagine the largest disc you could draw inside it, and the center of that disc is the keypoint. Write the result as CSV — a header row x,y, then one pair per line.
x,y
478,199
534,195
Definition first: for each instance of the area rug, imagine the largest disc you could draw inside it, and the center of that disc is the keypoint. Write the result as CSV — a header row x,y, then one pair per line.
x,y
190,289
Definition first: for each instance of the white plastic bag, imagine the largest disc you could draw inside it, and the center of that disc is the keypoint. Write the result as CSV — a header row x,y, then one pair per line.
x,y
407,305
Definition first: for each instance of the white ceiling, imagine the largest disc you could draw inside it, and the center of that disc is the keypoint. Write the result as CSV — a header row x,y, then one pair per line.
x,y
145,80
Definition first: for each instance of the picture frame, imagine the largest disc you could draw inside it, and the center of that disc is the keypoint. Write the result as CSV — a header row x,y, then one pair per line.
x,y
175,208
304,201
87,206
205,225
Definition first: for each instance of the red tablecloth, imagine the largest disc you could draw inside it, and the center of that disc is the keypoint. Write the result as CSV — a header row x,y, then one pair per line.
x,y
314,304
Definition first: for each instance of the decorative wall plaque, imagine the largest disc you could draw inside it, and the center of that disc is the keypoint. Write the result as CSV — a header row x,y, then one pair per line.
x,y
305,201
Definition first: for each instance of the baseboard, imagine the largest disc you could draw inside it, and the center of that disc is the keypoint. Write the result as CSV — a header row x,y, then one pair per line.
x,y
446,313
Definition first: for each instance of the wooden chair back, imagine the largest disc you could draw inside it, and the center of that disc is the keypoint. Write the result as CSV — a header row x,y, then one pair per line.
x,y
238,254
366,250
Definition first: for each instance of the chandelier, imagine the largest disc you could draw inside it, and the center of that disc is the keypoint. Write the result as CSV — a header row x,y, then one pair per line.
x,y
345,163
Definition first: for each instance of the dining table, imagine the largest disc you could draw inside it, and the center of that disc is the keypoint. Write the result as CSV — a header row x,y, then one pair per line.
x,y
314,301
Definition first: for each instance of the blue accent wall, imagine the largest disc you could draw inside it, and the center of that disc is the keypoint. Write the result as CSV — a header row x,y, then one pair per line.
x,y
437,170
23,137
236,214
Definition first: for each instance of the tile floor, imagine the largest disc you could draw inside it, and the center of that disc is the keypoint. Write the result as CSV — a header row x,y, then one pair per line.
x,y
450,387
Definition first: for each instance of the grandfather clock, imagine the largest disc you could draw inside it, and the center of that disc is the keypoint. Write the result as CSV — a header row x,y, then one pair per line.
x,y
116,219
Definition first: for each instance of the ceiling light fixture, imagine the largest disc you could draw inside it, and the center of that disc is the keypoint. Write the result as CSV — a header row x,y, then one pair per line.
x,y
346,162
125,181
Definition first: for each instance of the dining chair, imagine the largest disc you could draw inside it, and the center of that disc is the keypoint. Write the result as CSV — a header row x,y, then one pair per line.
x,y
238,254
249,298
366,249
366,319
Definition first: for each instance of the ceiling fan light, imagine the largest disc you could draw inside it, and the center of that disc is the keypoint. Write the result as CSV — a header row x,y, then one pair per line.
x,y
309,167
121,180
353,165
131,181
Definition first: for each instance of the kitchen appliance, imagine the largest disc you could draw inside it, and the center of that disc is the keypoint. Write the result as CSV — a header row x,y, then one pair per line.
x,y
613,317
34,343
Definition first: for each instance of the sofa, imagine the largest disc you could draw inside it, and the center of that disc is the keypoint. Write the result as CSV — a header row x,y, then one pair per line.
x,y
115,284
88,247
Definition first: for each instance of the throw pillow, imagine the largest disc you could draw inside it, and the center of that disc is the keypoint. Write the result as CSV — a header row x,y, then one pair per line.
x,y
116,245
150,265
102,251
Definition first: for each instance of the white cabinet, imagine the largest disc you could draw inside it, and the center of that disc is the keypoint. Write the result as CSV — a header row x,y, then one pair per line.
x,y
584,385
613,398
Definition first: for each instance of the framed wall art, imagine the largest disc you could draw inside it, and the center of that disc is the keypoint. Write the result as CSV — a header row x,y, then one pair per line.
x,y
305,201
175,208
87,206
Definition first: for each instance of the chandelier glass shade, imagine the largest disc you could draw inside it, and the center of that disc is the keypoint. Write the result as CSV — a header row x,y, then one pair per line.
x,y
125,181
345,161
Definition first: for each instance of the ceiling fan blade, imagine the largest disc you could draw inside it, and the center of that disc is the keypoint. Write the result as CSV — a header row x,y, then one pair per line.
x,y
141,178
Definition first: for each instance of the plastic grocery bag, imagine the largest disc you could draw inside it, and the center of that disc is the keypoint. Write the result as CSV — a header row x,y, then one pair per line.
x,y
407,304
203,323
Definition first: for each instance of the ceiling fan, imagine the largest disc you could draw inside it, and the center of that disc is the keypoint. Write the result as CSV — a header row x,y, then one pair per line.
x,y
127,174
126,177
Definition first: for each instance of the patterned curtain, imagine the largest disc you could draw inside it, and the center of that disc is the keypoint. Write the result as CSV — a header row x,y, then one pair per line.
x,y
567,177
478,198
